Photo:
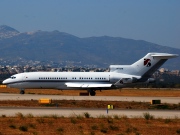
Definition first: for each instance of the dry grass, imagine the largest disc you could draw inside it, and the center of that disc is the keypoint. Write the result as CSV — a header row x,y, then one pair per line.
x,y
119,92
78,104
87,126
88,104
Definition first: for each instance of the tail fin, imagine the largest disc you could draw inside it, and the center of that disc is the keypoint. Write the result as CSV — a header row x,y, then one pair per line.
x,y
144,67
150,63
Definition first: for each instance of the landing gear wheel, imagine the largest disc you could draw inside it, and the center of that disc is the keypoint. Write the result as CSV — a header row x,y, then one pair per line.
x,y
22,92
92,93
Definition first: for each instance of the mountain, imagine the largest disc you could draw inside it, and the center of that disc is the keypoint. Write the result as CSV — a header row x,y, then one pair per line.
x,y
7,32
59,46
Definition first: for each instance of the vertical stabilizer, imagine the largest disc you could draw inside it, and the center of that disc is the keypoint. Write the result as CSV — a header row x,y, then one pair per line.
x,y
150,63
144,67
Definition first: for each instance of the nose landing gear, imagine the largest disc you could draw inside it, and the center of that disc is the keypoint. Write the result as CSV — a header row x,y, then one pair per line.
x,y
92,92
22,91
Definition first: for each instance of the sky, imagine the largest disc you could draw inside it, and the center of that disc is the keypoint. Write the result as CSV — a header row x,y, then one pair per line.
x,y
156,21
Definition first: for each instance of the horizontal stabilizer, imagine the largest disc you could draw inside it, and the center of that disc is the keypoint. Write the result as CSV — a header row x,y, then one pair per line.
x,y
164,55
87,85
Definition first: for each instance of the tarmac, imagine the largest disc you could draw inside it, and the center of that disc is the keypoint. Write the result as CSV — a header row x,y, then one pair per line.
x,y
171,100
94,112
70,112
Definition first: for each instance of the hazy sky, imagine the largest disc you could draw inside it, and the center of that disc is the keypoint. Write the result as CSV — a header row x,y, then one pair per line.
x,y
156,21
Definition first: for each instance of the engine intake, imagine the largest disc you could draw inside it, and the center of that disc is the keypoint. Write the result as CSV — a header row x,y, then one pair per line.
x,y
151,80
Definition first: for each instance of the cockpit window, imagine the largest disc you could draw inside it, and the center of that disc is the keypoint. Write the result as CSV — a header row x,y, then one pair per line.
x,y
13,77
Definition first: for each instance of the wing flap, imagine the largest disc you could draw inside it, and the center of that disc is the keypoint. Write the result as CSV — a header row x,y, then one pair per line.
x,y
88,85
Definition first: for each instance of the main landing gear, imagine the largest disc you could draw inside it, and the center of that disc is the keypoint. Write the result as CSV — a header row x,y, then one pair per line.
x,y
22,91
92,92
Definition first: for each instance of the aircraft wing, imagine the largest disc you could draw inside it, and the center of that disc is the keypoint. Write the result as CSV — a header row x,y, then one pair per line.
x,y
88,85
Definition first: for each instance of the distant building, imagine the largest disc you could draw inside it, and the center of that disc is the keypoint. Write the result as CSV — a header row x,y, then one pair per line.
x,y
175,72
163,70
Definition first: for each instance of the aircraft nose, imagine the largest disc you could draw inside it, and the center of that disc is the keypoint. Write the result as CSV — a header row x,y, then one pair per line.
x,y
5,81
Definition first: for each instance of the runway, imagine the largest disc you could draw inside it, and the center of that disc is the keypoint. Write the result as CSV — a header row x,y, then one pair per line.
x,y
68,112
172,100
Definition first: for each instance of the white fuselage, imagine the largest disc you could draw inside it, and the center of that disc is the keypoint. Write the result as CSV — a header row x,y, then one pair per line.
x,y
59,80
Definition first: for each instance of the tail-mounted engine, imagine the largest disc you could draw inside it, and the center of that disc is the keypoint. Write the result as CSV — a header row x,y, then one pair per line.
x,y
151,80
126,81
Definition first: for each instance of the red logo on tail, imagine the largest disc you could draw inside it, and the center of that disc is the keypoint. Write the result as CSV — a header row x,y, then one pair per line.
x,y
147,62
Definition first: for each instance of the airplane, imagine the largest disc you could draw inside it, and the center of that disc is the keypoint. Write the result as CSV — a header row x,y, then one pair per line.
x,y
119,76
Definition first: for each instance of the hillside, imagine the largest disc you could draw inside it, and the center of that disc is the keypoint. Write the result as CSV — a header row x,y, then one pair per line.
x,y
59,46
